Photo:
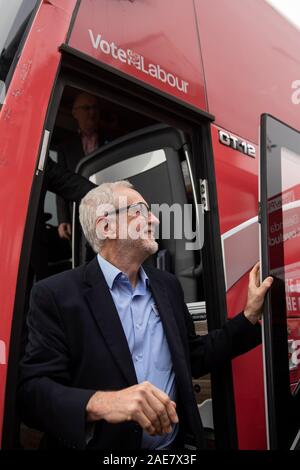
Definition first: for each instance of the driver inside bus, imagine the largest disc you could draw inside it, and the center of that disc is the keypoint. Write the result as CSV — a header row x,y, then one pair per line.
x,y
87,114
112,347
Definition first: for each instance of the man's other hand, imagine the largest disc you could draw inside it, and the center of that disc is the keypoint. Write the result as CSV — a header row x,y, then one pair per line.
x,y
64,231
256,294
144,403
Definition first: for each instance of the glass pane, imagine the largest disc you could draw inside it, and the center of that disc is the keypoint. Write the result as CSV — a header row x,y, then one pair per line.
x,y
15,15
284,238
280,225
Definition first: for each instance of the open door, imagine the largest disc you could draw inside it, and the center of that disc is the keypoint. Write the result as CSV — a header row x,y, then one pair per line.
x,y
158,162
280,252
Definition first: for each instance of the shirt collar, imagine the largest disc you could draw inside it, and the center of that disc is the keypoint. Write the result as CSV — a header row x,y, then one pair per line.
x,y
111,272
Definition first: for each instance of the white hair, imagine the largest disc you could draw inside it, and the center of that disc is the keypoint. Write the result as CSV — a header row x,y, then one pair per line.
x,y
89,209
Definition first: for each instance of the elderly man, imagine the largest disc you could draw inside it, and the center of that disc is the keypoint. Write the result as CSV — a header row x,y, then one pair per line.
x,y
112,348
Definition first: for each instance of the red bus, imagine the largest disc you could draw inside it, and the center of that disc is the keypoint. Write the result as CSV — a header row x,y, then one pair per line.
x,y
184,88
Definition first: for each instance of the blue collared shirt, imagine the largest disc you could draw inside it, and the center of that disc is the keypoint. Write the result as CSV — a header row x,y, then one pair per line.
x,y
145,336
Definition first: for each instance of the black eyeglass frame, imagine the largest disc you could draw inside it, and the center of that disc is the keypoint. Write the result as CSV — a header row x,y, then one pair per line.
x,y
126,208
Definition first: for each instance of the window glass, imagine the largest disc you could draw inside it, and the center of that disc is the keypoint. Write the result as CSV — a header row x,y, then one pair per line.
x,y
280,198
14,18
284,234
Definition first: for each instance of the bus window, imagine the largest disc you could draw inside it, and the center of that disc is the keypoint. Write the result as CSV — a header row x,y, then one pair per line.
x,y
14,19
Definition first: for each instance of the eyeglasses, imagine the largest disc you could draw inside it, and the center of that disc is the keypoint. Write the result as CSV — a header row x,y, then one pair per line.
x,y
86,108
134,210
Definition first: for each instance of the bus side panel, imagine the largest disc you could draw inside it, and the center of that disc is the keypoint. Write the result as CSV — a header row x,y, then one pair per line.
x,y
251,59
155,42
237,189
21,126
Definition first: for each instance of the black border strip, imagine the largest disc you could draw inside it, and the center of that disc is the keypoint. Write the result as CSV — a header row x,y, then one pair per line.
x,y
74,16
224,412
267,320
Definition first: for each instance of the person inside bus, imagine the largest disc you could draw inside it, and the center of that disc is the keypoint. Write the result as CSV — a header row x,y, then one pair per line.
x,y
86,112
112,347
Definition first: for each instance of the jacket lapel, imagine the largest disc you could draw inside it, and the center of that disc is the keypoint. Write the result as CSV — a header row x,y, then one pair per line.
x,y
103,309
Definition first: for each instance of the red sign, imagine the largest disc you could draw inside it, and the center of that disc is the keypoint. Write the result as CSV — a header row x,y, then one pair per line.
x,y
155,42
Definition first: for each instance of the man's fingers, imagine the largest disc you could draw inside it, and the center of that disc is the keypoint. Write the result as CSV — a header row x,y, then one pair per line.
x,y
254,275
171,410
145,423
153,417
161,412
64,231
254,280
266,284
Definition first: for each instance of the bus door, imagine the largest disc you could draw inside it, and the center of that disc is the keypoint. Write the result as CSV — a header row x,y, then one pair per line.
x,y
280,253
156,160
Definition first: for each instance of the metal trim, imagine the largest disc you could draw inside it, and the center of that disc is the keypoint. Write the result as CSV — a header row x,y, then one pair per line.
x,y
43,153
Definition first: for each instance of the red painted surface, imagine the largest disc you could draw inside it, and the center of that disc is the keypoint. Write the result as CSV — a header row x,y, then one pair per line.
x,y
248,382
161,33
250,58
21,124
237,184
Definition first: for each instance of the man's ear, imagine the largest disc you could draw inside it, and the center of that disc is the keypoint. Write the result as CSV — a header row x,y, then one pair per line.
x,y
105,228
101,227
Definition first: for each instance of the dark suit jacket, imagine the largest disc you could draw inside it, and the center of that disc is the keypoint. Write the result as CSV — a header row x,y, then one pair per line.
x,y
65,182
70,153
77,346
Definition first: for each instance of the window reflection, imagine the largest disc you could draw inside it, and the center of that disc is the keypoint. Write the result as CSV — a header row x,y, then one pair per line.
x,y
284,248
14,18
